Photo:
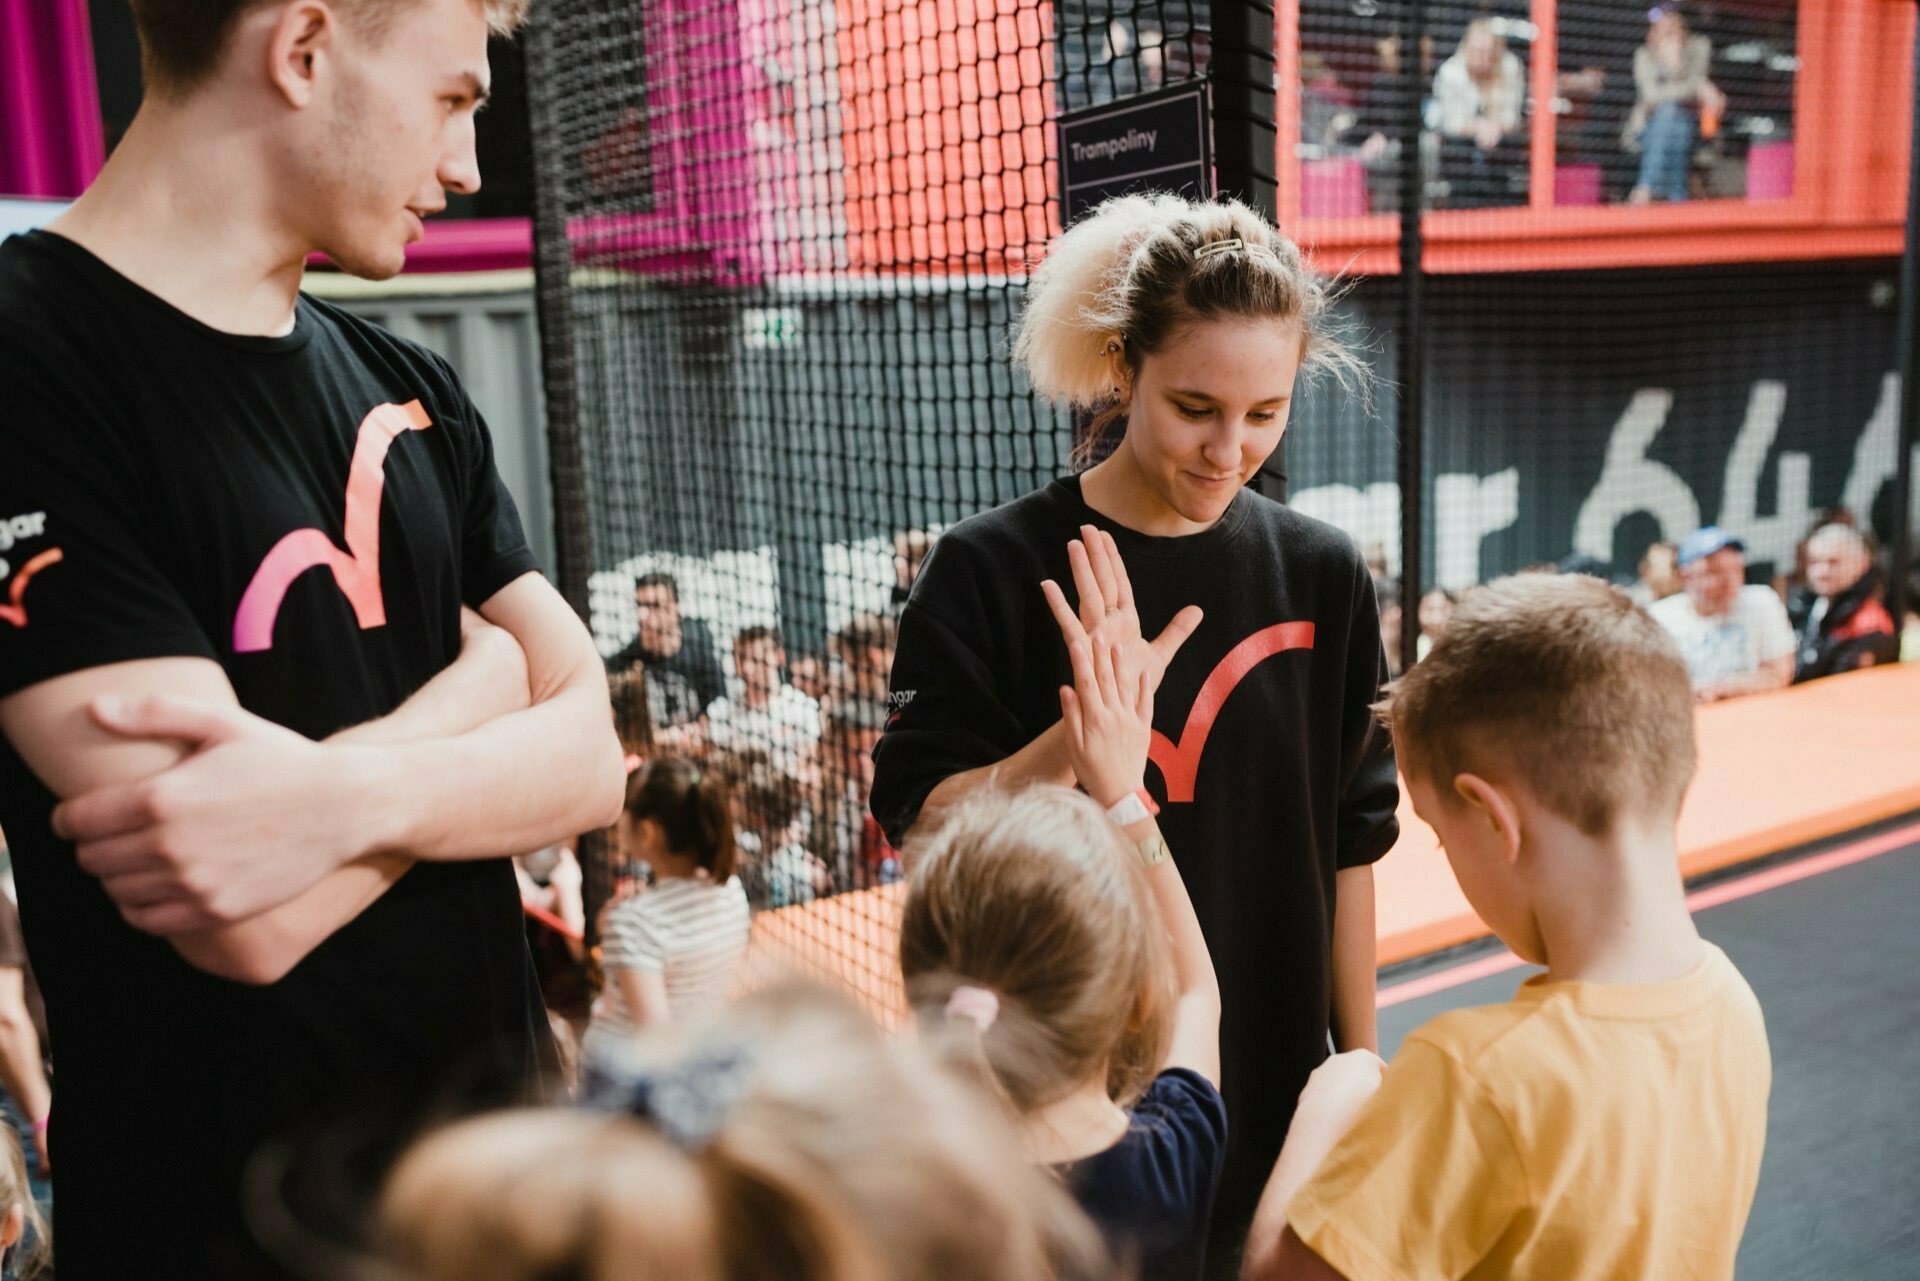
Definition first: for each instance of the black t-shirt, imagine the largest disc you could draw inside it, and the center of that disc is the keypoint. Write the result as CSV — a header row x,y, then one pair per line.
x,y
680,687
1151,1193
185,492
1270,783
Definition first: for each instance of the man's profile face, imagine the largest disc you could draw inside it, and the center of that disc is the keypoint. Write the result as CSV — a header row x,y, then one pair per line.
x,y
392,133
659,611
1713,582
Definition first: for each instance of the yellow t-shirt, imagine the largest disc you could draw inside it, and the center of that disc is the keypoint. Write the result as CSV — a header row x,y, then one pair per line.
x,y
1581,1131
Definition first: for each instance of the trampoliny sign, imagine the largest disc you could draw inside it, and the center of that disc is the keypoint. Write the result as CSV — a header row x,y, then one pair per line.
x,y
1159,141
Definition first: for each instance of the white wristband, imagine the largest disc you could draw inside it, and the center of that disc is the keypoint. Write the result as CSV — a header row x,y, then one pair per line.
x,y
1136,806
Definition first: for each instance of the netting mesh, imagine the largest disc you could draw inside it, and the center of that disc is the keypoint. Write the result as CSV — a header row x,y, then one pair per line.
x,y
782,243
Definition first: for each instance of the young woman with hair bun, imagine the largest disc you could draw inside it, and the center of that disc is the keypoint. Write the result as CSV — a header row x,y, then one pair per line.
x,y
1184,329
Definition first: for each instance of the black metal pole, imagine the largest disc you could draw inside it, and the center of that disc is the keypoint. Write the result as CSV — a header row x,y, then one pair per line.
x,y
553,297
1908,354
1413,336
1245,137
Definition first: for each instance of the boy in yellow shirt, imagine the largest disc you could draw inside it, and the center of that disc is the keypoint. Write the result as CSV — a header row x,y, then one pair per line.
x,y
1608,1121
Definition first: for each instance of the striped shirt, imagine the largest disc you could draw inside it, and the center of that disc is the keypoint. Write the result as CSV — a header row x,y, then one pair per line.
x,y
688,929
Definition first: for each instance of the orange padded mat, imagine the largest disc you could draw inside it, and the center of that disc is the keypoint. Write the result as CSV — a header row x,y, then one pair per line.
x,y
1776,770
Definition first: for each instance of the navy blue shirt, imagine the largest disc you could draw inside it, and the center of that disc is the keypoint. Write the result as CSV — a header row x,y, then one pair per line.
x,y
1152,1192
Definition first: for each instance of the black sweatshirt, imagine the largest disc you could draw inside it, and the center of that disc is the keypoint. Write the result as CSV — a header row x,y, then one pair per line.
x,y
1269,784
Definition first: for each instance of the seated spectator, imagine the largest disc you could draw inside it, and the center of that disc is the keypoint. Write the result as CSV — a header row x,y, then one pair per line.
x,y
1436,611
1481,92
24,1237
783,1137
1837,617
910,548
845,834
683,671
1386,593
769,714
1609,1120
1736,639
1674,104
862,658
1659,576
672,949
776,867
808,674
27,1099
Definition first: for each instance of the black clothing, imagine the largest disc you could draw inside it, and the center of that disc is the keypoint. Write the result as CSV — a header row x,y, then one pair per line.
x,y
1269,785
1854,630
679,688
1151,1194
183,493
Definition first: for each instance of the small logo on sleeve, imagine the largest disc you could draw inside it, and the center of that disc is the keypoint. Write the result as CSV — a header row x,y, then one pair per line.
x,y
13,531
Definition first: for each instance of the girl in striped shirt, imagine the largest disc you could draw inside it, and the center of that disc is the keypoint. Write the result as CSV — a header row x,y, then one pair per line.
x,y
671,949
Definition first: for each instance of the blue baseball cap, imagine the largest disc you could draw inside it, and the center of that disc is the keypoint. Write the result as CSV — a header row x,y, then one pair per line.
x,y
1702,543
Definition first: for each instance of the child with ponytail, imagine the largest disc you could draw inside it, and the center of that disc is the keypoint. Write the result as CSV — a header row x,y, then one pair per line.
x,y
1061,954
781,1138
673,948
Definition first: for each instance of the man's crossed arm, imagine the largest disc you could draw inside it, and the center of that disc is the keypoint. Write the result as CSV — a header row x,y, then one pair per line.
x,y
246,845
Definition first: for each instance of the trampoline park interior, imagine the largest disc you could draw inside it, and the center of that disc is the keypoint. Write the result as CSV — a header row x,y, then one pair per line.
x,y
736,297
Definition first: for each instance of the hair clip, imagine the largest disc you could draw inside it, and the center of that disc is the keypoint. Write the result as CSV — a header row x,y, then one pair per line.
x,y
976,1005
689,1101
1219,247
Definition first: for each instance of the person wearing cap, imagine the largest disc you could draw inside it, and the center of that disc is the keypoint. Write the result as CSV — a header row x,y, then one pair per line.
x,y
1837,618
1736,638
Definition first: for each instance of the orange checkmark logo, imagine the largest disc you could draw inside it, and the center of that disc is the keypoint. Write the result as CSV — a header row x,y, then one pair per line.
x,y
13,611
1180,762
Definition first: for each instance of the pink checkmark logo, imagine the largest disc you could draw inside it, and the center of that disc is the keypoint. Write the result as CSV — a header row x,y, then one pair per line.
x,y
357,569
1180,762
13,611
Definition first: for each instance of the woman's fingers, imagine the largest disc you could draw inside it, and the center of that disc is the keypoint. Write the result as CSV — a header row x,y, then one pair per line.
x,y
1096,542
1123,586
1070,628
1103,674
1093,606
1070,713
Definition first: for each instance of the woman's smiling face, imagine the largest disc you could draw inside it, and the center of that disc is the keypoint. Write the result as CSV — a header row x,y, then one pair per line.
x,y
1209,408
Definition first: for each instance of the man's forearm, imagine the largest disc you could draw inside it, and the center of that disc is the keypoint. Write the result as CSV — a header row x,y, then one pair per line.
x,y
1356,1024
517,783
1044,760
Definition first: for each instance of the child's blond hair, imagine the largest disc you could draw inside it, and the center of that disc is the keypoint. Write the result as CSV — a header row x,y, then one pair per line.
x,y
16,1192
1036,897
784,1139
1563,682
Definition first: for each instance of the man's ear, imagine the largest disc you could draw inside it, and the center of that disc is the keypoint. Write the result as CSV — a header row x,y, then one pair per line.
x,y
1492,805
303,36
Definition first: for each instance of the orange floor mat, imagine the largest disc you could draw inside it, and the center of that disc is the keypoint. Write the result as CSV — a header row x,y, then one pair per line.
x,y
1776,770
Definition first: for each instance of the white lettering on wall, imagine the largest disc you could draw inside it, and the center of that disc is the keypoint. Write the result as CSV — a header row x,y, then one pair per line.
x,y
1768,538
1631,482
1465,510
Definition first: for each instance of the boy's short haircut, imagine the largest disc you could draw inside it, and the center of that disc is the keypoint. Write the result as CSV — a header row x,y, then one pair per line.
x,y
1565,682
181,41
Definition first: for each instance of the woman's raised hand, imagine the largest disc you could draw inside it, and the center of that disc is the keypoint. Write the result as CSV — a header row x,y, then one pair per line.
x,y
1107,614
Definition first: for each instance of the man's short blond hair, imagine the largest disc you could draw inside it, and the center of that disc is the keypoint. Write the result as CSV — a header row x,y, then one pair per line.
x,y
182,41
1561,682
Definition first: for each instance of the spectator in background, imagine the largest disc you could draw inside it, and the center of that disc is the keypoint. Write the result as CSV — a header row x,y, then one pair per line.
x,y
1436,611
845,833
1387,594
1735,638
1837,616
1675,104
861,655
1480,93
776,867
769,714
672,949
910,547
808,674
28,1100
682,667
1659,576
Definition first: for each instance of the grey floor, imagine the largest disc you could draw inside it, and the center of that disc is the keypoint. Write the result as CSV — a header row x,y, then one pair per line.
x,y
1835,960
